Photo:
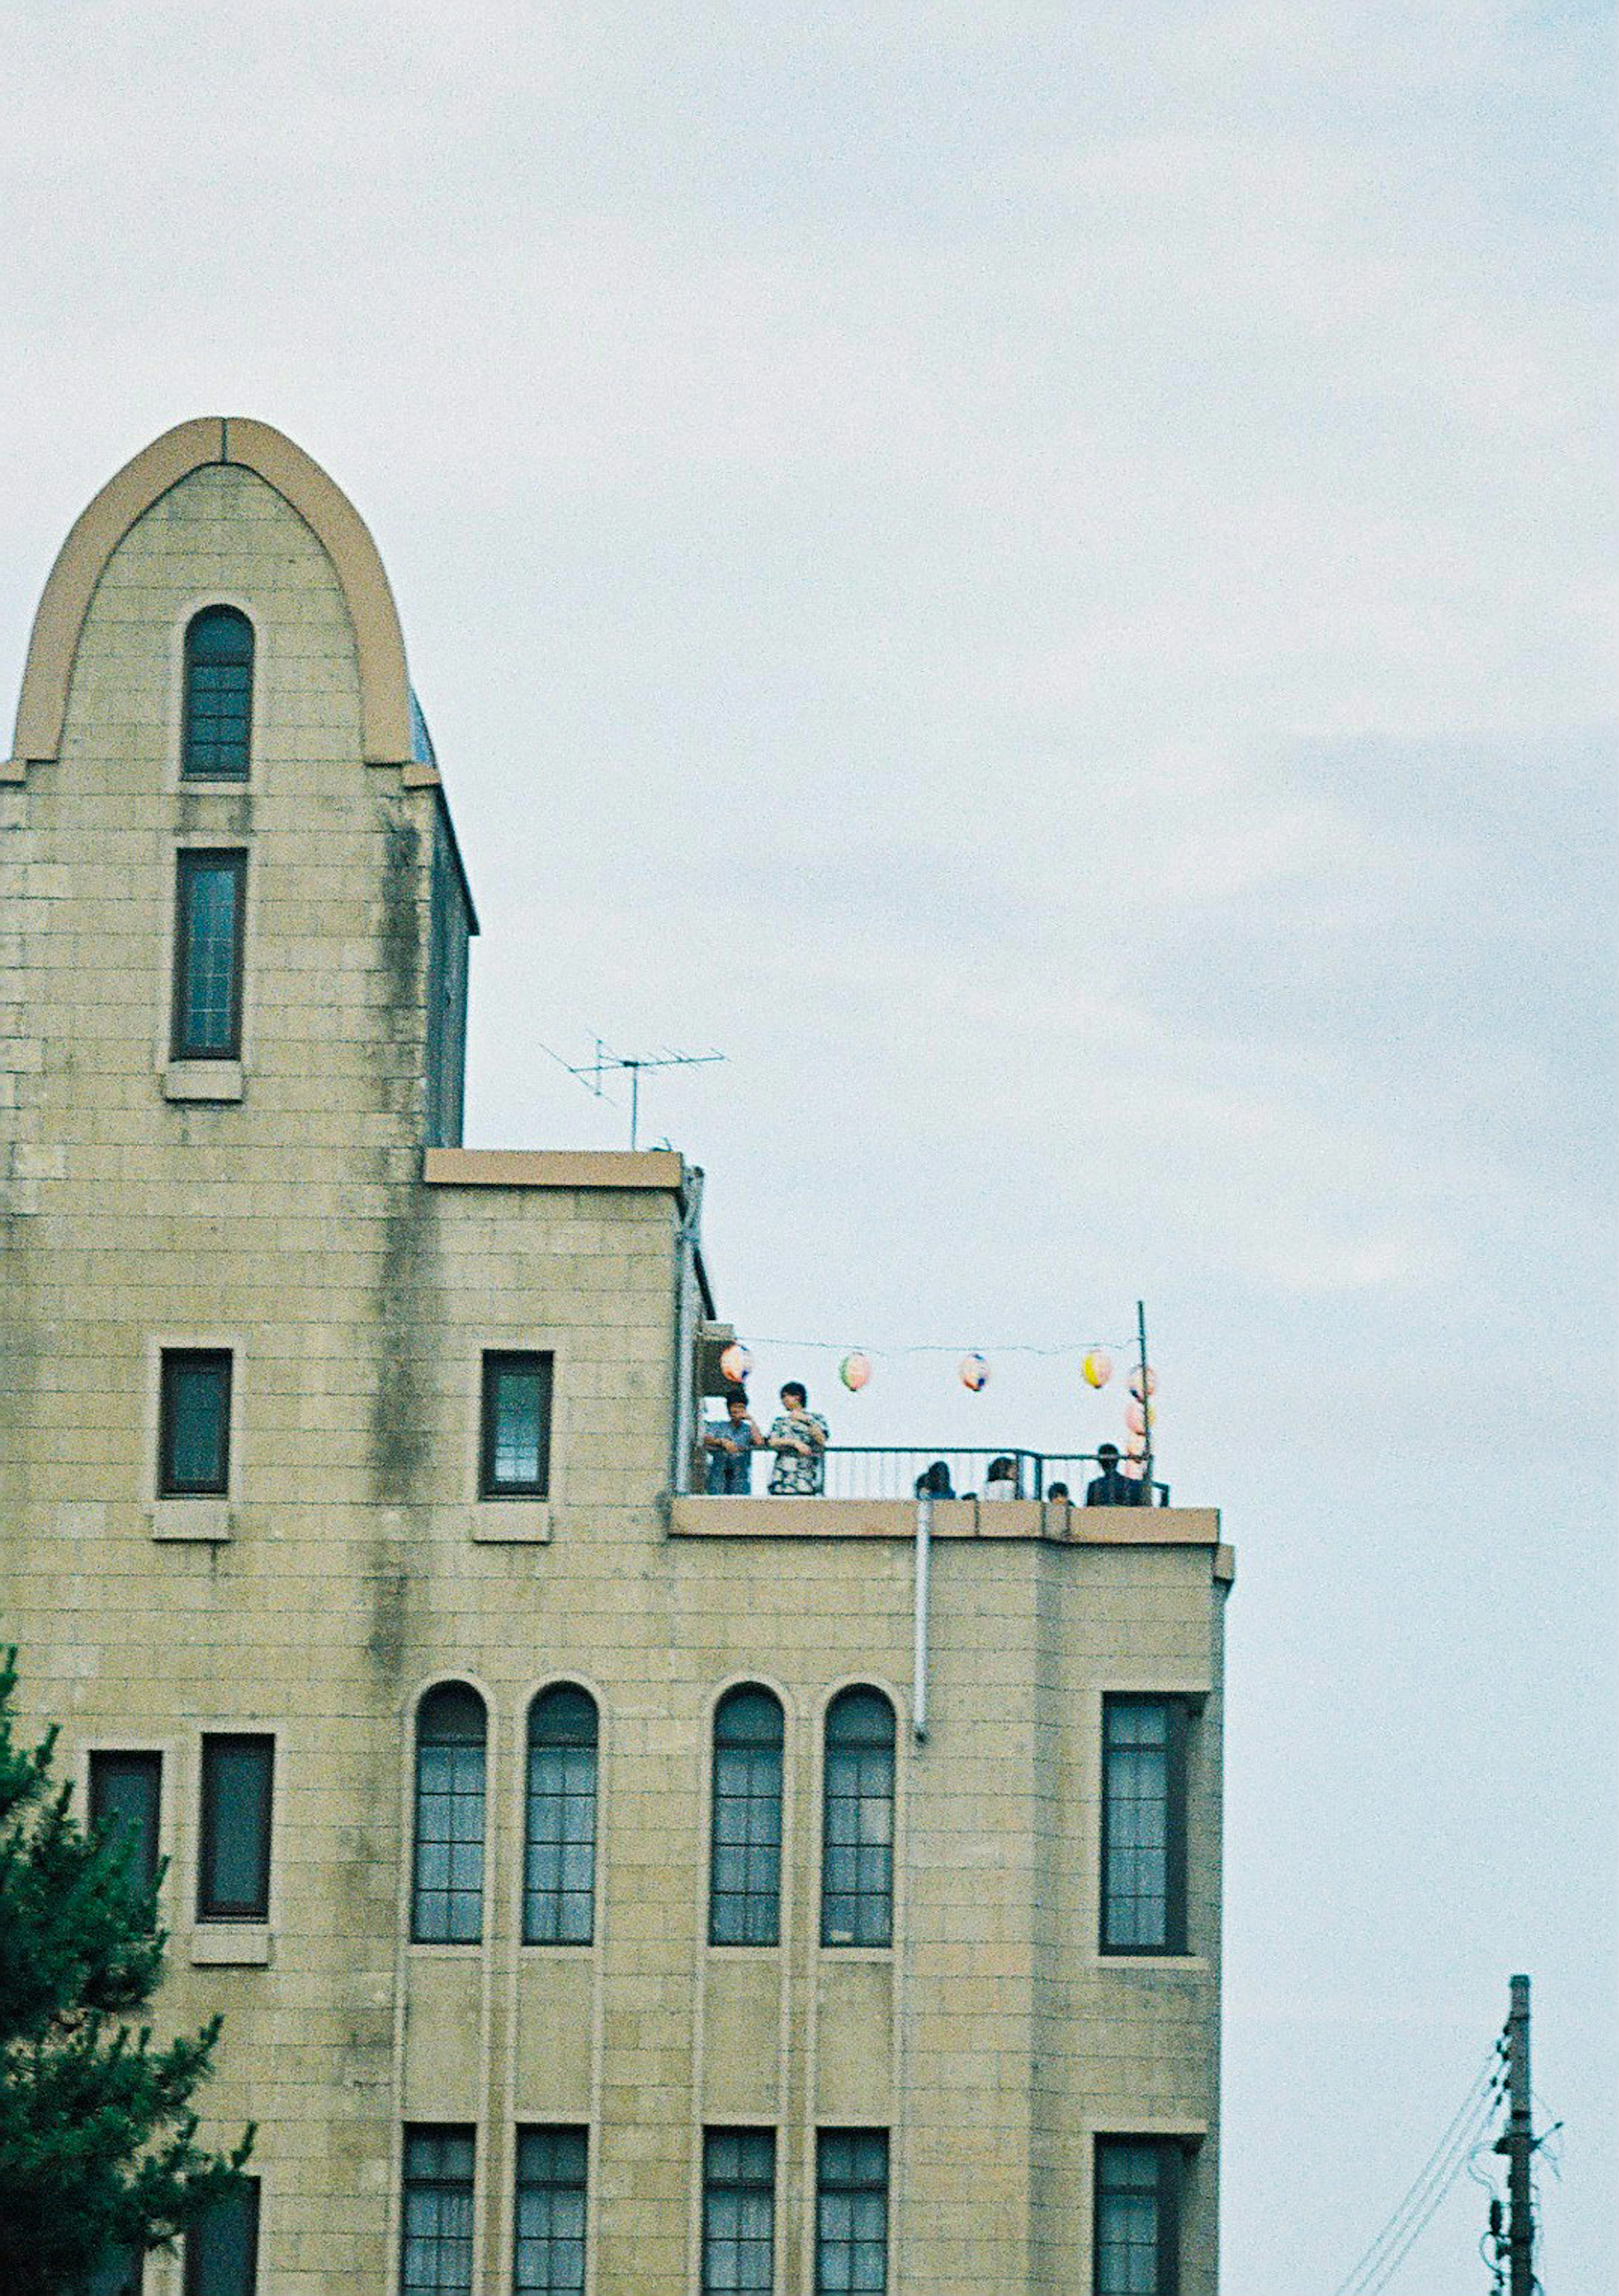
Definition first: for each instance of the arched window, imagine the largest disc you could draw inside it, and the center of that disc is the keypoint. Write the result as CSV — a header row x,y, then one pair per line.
x,y
559,1843
744,1870
218,695
857,1828
447,1882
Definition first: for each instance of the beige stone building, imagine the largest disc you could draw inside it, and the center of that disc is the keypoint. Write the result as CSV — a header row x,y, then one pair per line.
x,y
585,1909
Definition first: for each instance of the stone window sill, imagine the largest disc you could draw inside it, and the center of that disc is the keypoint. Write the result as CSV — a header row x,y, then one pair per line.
x,y
204,1080
511,1522
201,1519
231,1945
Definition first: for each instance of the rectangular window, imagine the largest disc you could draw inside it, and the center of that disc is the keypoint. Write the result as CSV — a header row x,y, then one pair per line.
x,y
515,1451
126,1794
121,2272
1143,1827
209,901
436,2234
234,1854
1137,2233
851,2211
549,2259
194,1424
222,2247
739,2211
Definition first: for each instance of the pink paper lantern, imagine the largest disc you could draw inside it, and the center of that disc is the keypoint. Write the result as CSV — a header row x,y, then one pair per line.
x,y
1143,1382
854,1370
1135,1446
735,1363
1137,1418
974,1372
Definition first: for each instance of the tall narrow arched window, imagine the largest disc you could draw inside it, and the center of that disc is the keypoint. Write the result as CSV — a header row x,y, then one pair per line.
x,y
745,1869
447,1878
560,1835
219,696
857,1825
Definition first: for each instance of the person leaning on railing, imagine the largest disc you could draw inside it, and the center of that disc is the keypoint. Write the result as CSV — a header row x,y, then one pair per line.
x,y
1110,1489
729,1449
798,1437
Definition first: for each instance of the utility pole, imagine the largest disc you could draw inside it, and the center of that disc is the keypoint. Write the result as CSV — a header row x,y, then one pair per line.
x,y
1517,2145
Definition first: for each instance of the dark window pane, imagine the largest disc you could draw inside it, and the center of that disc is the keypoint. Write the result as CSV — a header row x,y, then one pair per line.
x,y
448,1881
515,1449
549,2252
125,1799
194,1415
219,696
559,1868
851,2211
435,2231
745,1857
1143,1830
1137,2209
221,2248
739,2211
858,1822
210,901
234,1864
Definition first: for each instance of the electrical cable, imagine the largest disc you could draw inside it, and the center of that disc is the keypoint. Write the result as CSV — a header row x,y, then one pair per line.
x,y
1410,2241
1474,2107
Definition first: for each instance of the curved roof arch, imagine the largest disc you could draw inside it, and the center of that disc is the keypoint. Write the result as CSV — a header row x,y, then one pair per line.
x,y
385,696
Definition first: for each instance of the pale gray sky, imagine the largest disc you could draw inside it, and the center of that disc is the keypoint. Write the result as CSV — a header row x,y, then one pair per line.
x,y
1039,575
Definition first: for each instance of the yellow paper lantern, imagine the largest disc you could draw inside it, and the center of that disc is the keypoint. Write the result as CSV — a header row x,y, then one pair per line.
x,y
1097,1369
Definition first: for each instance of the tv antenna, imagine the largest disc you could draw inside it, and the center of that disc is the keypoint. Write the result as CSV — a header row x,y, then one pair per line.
x,y
591,1073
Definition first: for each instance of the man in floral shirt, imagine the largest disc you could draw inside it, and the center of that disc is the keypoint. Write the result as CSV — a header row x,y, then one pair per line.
x,y
799,1438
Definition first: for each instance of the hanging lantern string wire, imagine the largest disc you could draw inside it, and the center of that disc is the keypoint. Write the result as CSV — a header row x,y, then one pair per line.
x,y
841,1347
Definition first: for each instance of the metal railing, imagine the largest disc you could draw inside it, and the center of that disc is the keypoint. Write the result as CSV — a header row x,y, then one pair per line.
x,y
864,1471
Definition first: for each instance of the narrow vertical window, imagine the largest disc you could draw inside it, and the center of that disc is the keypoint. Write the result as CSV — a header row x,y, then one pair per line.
x,y
1138,2239
219,696
549,2256
125,1793
739,2211
857,1821
447,1885
435,2231
851,2211
559,1847
744,1871
233,1849
222,2247
210,901
515,1449
1143,1831
194,1423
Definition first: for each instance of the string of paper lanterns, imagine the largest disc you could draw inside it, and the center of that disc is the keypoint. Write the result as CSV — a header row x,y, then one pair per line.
x,y
1095,1368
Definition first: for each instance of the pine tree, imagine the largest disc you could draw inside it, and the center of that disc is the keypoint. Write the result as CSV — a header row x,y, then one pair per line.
x,y
97,2137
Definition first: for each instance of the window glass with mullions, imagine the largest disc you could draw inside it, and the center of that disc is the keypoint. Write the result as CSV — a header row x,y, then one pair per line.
x,y
125,1801
219,696
851,2211
436,2226
194,1423
858,1822
739,2211
234,1847
560,1844
548,2259
448,1875
1138,2242
745,1868
222,2247
514,1453
211,897
1143,1830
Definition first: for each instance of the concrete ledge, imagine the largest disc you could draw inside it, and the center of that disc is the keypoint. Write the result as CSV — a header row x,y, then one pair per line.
x,y
554,1168
203,1518
203,1080
231,1945
761,1517
511,1522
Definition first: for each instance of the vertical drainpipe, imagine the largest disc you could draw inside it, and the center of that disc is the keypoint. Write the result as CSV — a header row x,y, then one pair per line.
x,y
924,1560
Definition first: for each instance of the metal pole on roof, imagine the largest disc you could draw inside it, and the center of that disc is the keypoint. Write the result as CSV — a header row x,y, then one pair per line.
x,y
924,1557
1141,1328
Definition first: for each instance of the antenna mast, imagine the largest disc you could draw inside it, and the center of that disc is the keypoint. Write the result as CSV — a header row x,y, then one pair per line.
x,y
590,1074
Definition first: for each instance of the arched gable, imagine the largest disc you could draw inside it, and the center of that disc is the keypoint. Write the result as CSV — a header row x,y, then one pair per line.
x,y
385,704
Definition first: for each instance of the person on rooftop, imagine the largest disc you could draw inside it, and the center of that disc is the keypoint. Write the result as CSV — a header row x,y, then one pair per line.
x,y
934,1482
1000,1479
730,1447
1110,1489
798,1437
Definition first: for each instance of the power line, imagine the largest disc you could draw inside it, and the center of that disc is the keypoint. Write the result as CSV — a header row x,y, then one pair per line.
x,y
1474,2108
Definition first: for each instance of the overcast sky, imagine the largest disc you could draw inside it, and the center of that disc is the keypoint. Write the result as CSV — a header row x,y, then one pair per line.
x,y
1036,575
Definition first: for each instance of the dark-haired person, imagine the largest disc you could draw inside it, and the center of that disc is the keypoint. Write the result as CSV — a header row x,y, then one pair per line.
x,y
934,1482
1000,1479
798,1437
1110,1489
731,1447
